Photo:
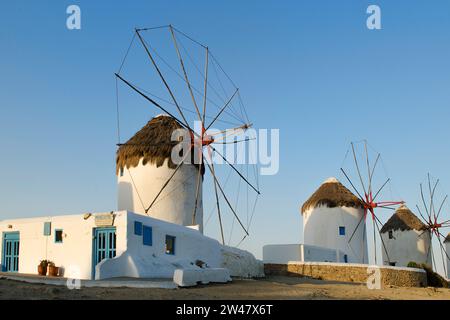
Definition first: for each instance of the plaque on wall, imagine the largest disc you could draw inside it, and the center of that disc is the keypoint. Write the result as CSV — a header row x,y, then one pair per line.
x,y
104,220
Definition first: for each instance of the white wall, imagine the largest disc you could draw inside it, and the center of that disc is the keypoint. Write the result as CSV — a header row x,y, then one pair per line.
x,y
447,249
407,246
321,228
284,253
133,258
75,253
314,253
190,245
175,204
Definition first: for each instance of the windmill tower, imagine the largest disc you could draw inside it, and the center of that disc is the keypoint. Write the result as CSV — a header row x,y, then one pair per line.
x,y
144,166
329,215
405,239
367,194
435,219
447,250
149,180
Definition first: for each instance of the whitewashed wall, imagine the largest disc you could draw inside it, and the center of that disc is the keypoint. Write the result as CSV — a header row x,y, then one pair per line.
x,y
190,245
285,253
133,258
321,228
447,249
176,202
152,261
75,253
282,253
407,246
314,253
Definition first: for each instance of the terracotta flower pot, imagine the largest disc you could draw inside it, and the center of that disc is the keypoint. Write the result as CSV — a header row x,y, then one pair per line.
x,y
42,271
53,271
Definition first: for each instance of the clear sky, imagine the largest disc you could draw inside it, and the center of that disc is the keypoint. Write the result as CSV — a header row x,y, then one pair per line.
x,y
310,68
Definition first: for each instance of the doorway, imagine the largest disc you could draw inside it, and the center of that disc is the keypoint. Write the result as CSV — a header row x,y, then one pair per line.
x,y
104,245
11,241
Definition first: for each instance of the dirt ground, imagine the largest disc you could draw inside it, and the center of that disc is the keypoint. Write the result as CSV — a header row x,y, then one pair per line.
x,y
268,288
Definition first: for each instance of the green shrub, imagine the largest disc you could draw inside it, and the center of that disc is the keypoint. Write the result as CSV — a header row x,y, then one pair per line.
x,y
433,278
413,264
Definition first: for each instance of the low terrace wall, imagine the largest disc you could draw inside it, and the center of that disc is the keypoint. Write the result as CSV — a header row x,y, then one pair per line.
x,y
349,272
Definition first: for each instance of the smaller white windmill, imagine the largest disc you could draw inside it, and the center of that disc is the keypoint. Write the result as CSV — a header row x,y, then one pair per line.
x,y
405,239
368,194
435,219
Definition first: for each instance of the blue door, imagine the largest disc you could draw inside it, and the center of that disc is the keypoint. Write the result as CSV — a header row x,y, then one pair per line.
x,y
10,257
104,244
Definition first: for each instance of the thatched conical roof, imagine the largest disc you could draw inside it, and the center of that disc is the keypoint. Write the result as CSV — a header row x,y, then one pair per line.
x,y
332,194
403,219
153,144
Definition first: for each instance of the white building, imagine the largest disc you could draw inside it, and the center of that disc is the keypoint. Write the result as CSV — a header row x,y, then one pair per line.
x,y
124,243
117,244
447,250
406,239
285,253
330,216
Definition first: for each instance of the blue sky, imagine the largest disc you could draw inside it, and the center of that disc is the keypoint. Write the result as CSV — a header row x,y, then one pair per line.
x,y
310,68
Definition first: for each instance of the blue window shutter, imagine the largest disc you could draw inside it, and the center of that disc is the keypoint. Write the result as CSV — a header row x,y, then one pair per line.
x,y
47,228
342,231
138,228
147,235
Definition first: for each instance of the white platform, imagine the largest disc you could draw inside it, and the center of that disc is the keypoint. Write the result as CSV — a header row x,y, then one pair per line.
x,y
192,277
107,283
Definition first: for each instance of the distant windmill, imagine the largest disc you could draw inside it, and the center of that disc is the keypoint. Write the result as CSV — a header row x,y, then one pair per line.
x,y
366,192
186,95
433,219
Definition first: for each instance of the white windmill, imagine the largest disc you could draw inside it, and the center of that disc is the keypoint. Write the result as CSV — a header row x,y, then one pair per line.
x,y
150,182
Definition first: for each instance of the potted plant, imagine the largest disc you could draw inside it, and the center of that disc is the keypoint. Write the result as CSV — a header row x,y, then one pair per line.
x,y
42,267
52,269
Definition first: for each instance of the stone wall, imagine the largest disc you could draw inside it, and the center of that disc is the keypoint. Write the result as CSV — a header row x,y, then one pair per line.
x,y
348,272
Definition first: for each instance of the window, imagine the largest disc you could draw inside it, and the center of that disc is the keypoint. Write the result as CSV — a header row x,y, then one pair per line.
x,y
345,258
391,235
170,245
121,172
342,231
392,264
138,228
58,236
47,228
147,235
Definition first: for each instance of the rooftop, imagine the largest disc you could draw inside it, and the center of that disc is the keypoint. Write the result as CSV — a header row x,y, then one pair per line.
x,y
403,219
332,193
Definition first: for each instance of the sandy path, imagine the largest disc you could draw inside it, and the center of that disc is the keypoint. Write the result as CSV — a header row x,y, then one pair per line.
x,y
269,288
